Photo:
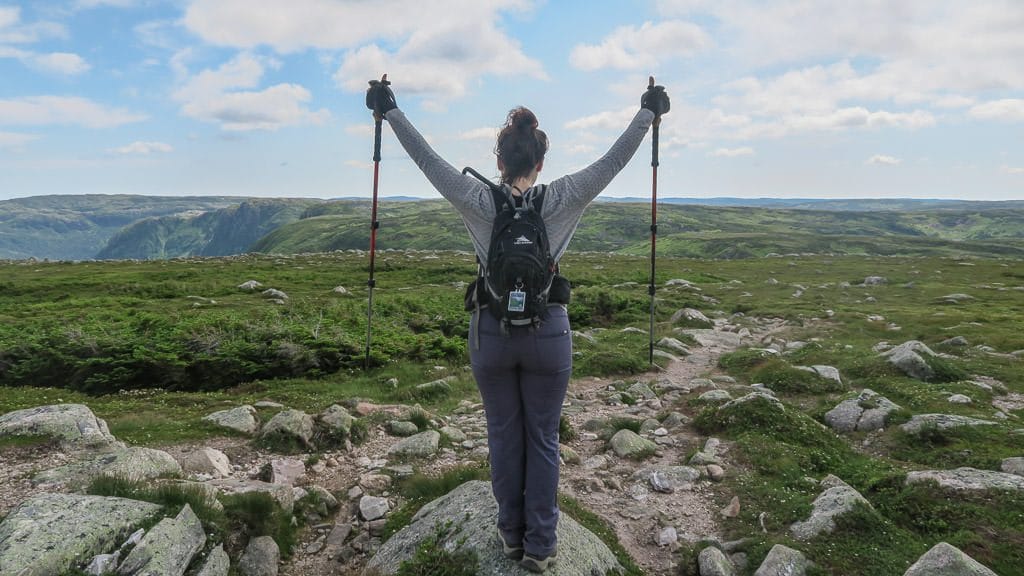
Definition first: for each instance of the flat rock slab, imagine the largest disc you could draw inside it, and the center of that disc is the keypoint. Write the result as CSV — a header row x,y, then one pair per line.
x,y
962,479
52,533
417,446
280,492
71,425
942,422
134,464
713,338
472,513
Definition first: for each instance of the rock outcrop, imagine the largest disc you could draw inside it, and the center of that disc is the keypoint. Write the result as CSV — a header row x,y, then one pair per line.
x,y
73,426
34,538
470,512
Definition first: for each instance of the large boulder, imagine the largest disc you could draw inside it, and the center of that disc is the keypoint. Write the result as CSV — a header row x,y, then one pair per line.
x,y
417,446
241,419
260,557
782,560
168,548
1013,465
909,359
714,562
628,444
206,462
290,426
217,563
947,560
837,499
72,426
53,533
966,479
867,412
134,464
472,513
336,421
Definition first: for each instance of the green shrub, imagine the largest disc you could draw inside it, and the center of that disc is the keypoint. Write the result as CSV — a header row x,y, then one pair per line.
x,y
781,377
254,514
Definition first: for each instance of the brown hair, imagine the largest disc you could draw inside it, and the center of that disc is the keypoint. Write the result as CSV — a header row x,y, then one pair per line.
x,y
521,145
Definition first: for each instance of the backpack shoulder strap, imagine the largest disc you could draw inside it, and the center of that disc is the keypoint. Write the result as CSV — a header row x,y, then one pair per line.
x,y
501,199
537,197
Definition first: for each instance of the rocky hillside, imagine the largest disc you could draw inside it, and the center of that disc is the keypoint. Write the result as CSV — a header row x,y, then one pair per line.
x,y
222,232
76,227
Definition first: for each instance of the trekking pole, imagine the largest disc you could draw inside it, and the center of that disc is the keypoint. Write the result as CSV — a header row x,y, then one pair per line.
x,y
654,224
374,225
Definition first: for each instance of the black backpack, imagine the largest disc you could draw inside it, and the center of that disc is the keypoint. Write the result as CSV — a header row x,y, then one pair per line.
x,y
516,281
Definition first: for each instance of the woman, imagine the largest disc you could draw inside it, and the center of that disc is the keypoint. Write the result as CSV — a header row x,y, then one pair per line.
x,y
522,372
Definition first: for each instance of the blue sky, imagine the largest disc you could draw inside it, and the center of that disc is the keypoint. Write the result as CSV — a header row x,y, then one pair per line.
x,y
794,98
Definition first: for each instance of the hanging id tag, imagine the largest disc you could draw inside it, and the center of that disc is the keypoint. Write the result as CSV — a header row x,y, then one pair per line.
x,y
516,301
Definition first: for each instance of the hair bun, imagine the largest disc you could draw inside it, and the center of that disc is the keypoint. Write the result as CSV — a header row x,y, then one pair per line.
x,y
523,119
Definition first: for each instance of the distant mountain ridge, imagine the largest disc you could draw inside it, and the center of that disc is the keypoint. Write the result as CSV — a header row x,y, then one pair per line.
x,y
74,227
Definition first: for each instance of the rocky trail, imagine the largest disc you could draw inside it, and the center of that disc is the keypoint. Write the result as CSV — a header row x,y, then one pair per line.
x,y
656,487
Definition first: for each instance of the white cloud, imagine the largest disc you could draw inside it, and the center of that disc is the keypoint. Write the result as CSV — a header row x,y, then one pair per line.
x,y
360,129
13,31
42,110
1013,170
484,133
219,96
608,120
60,62
436,48
883,160
15,139
1009,110
629,47
97,3
580,149
142,148
732,152
918,48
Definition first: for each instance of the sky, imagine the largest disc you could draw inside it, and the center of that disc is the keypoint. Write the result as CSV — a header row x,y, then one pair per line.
x,y
780,99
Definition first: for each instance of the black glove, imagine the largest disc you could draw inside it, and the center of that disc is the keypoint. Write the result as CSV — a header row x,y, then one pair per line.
x,y
655,99
379,97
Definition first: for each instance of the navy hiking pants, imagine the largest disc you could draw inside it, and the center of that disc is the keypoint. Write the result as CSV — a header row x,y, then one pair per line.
x,y
523,377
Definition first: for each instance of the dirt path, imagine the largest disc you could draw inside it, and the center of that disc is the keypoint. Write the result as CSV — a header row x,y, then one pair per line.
x,y
601,482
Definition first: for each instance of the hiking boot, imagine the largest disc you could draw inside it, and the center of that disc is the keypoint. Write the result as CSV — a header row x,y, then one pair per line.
x,y
538,565
512,552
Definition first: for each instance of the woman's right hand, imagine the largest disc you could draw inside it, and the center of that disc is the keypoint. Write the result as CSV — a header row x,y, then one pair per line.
x,y
655,99
379,97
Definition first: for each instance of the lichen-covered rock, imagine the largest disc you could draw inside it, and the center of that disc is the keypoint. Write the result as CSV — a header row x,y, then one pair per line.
x,y
417,446
966,479
907,357
941,422
52,533
134,464
1013,465
217,563
714,562
73,426
713,338
336,420
168,548
826,372
206,462
668,479
868,411
241,419
260,558
947,560
674,346
628,444
279,492
837,499
471,513
290,426
403,428
783,561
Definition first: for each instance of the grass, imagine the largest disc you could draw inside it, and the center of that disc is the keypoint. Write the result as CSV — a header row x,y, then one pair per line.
x,y
78,333
420,489
433,559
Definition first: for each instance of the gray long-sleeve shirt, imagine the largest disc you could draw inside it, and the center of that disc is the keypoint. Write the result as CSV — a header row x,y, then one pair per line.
x,y
564,200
